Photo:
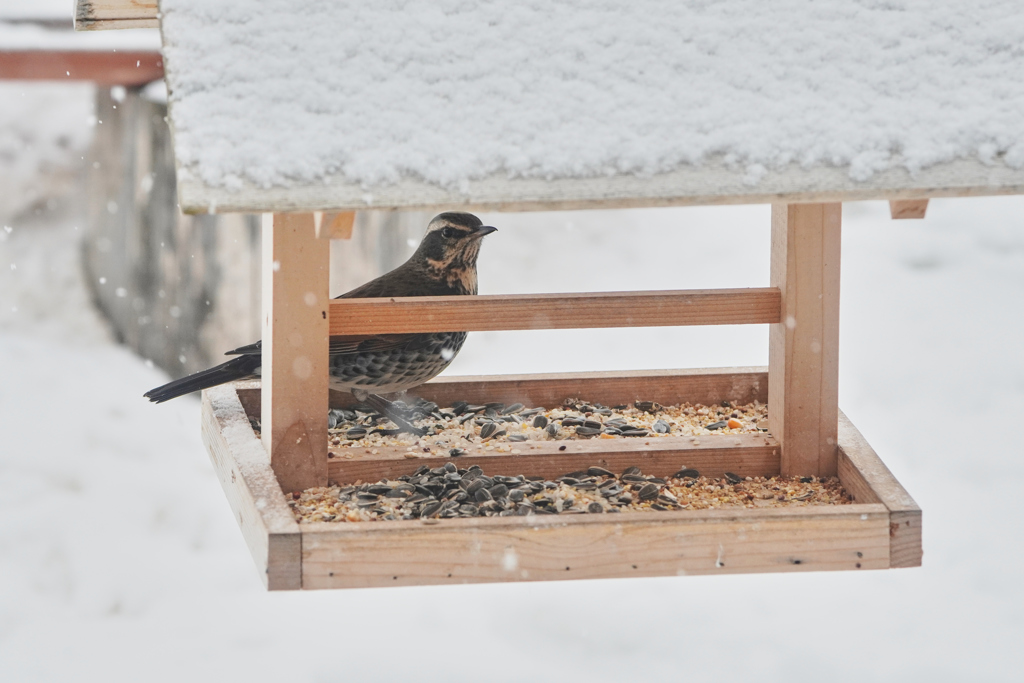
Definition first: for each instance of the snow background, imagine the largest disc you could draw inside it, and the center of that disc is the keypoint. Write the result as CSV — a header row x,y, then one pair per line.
x,y
448,91
120,560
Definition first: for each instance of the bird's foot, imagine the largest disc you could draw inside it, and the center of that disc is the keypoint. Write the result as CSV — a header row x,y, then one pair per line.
x,y
391,411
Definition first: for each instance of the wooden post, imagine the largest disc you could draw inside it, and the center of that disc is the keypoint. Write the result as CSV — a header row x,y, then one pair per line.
x,y
295,340
334,226
803,355
908,208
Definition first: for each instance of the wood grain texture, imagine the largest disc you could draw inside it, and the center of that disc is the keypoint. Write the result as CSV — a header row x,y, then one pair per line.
x,y
631,544
100,15
704,385
257,502
555,311
908,208
747,455
130,68
803,355
334,226
713,182
295,400
905,515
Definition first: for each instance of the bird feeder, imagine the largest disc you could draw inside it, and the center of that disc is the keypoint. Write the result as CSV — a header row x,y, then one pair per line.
x,y
807,434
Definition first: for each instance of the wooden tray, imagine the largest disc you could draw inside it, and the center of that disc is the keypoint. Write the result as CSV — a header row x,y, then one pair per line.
x,y
882,529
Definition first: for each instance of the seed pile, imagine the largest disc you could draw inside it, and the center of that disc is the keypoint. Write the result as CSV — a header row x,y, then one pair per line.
x,y
448,492
464,427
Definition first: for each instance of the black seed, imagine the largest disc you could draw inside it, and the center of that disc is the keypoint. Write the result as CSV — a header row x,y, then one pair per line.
x,y
733,478
431,509
540,422
659,507
599,472
482,495
648,492
466,418
512,409
488,430
716,425
498,491
561,448
634,478
686,472
662,427
474,486
726,404
593,424
806,480
518,437
656,480
595,507
378,489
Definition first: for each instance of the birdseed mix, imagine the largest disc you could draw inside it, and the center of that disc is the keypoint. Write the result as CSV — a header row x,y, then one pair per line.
x,y
448,492
467,429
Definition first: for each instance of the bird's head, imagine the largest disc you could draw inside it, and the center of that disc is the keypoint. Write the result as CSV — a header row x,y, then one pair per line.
x,y
450,248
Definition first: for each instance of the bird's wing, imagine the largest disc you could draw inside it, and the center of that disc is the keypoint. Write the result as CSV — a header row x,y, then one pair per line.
x,y
254,349
367,343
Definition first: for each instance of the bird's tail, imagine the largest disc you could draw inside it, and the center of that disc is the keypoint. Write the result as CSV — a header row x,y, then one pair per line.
x,y
233,370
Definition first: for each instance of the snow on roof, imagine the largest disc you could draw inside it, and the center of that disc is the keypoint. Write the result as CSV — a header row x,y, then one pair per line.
x,y
344,103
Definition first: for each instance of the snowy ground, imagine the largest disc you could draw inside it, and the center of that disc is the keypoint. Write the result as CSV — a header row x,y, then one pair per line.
x,y
120,560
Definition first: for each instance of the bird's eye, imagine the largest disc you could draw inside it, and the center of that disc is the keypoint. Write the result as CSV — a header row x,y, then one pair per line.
x,y
447,233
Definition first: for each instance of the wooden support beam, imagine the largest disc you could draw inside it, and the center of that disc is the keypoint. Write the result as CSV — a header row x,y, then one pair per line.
x,y
334,226
131,68
556,311
908,208
295,398
803,357
100,15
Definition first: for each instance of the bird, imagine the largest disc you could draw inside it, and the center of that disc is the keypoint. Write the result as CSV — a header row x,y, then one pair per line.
x,y
366,366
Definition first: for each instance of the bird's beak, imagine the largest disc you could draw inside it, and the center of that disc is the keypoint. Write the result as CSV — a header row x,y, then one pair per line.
x,y
483,231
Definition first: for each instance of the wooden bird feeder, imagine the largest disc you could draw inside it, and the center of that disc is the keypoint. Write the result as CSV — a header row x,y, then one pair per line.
x,y
807,434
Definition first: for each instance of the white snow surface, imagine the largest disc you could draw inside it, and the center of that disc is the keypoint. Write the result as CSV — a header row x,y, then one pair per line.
x,y
287,92
121,560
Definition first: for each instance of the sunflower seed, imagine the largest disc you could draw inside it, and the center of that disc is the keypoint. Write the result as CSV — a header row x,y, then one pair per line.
x,y
593,424
456,452
716,425
587,431
635,432
459,407
482,495
733,478
572,422
632,470
512,409
662,427
431,509
648,492
355,433
498,491
518,437
488,430
551,430
687,472
646,406
516,495
599,472
540,422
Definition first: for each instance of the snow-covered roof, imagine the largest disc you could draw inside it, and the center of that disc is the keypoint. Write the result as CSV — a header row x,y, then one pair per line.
x,y
283,104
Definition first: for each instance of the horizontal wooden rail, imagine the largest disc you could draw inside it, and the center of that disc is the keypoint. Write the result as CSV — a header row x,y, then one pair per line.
x,y
555,311
99,15
132,67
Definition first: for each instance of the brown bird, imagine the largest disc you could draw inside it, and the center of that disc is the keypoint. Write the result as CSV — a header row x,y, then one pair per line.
x,y
368,365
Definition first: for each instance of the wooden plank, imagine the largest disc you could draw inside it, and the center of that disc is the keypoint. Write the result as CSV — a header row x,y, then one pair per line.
x,y
555,311
334,226
803,358
130,68
705,385
712,182
99,15
713,455
905,548
632,544
908,208
256,500
295,367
